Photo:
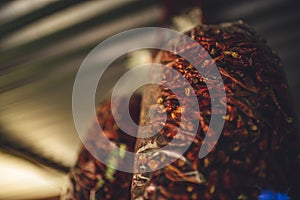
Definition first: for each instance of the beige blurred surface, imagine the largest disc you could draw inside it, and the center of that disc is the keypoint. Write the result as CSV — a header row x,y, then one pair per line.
x,y
42,45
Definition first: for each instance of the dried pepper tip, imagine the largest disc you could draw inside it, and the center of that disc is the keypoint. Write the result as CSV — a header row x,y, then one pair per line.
x,y
181,163
234,54
173,115
212,189
227,53
212,51
189,67
160,100
189,188
254,128
226,117
206,162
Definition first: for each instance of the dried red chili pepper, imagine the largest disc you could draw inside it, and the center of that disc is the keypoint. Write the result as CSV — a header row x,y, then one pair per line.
x,y
258,146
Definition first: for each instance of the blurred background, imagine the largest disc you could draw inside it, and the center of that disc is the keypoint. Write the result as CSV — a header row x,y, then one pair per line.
x,y
43,43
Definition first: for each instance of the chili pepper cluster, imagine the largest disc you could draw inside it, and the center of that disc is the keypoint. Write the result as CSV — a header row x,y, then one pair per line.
x,y
89,178
256,150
